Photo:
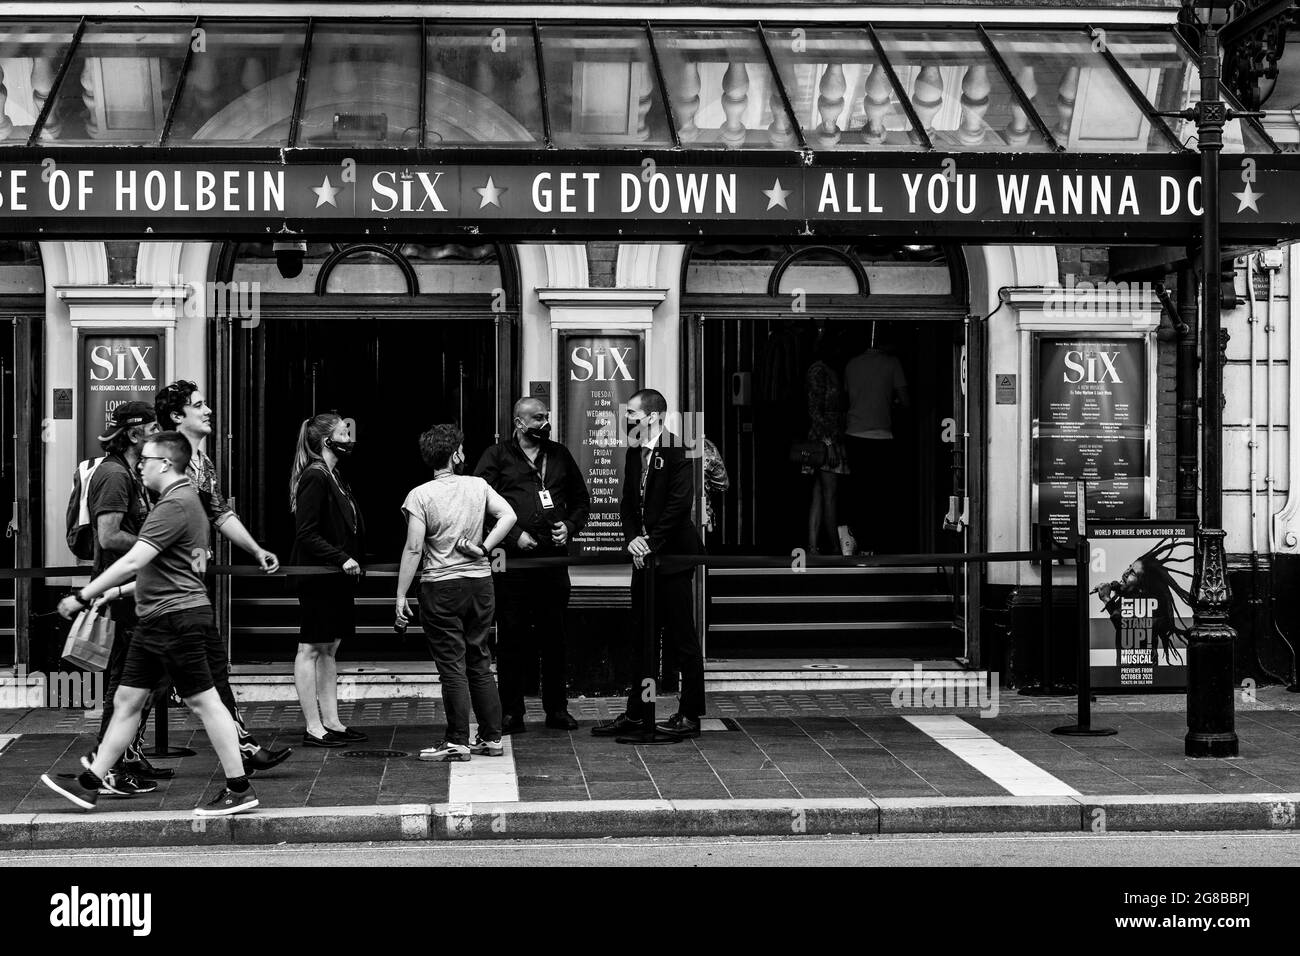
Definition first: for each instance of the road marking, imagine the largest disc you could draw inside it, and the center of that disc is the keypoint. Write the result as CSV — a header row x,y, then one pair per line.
x,y
485,779
1000,764
6,740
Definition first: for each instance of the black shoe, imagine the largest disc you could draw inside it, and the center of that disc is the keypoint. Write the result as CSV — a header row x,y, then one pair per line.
x,y
228,802
309,741
83,790
561,720
263,759
136,764
118,782
512,724
617,727
347,735
679,725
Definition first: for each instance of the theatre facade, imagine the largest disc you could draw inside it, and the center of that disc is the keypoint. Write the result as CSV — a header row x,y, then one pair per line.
x,y
412,215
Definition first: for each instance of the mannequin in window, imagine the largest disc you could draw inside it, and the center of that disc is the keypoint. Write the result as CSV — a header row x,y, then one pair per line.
x,y
876,387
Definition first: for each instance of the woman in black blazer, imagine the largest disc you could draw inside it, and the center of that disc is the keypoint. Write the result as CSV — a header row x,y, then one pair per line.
x,y
328,531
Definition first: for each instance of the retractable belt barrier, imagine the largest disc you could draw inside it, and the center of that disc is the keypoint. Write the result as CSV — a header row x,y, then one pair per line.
x,y
796,561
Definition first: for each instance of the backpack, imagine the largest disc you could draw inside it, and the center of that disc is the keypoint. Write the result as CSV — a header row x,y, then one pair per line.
x,y
81,536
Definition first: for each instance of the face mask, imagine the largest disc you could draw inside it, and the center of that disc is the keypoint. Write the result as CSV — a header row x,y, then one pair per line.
x,y
341,448
538,432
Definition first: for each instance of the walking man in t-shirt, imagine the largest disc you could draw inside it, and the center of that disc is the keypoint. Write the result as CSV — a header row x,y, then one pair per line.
x,y
875,384
116,501
176,624
183,407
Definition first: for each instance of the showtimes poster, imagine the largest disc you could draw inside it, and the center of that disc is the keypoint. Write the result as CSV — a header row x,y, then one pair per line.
x,y
1139,604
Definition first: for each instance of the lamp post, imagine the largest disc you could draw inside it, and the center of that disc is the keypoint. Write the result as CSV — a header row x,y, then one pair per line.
x,y
1210,713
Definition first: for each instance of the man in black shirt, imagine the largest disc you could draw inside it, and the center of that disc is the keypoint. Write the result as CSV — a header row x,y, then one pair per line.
x,y
542,483
116,502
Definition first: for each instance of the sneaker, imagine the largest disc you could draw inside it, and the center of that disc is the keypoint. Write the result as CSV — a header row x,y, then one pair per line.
x,y
135,762
445,751
488,748
848,543
119,783
83,790
228,802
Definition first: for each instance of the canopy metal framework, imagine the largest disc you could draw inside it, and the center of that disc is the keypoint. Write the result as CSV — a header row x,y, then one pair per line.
x,y
457,84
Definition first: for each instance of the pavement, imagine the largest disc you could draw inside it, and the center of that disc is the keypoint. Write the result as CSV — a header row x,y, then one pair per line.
x,y
767,764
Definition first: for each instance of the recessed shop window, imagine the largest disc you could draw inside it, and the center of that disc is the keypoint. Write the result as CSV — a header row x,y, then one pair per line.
x,y
363,85
601,87
119,84
240,86
20,269
30,55
482,85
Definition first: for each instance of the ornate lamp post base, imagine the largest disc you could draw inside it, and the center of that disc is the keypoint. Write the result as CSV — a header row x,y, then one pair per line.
x,y
1210,714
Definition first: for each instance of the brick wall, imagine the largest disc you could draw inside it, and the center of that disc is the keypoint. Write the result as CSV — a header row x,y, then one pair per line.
x,y
601,260
121,262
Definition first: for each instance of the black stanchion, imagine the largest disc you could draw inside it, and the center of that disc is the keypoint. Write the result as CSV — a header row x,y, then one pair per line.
x,y
649,734
1047,683
160,721
1084,726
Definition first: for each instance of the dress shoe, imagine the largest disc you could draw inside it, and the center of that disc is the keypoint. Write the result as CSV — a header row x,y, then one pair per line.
x,y
561,720
679,725
512,724
347,735
310,740
617,727
263,759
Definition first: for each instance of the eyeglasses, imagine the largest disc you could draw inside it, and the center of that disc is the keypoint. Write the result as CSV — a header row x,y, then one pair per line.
x,y
144,458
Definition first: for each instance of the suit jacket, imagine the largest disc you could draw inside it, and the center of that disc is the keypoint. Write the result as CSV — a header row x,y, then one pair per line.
x,y
669,497
323,523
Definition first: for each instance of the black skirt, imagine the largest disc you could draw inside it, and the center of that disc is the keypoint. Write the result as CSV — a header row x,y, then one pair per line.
x,y
328,609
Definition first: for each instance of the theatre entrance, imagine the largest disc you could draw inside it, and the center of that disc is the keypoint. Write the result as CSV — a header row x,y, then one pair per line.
x,y
906,487
391,364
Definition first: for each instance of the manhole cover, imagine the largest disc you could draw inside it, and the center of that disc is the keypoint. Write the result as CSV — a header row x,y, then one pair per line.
x,y
375,754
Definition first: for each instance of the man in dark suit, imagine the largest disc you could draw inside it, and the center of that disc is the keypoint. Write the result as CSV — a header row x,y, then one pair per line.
x,y
658,494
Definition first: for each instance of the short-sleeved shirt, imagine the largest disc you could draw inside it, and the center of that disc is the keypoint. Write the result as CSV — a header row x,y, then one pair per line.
x,y
871,379
453,507
202,471
178,527
114,489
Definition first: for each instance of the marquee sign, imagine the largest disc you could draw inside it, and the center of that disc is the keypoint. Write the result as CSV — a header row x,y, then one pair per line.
x,y
1016,197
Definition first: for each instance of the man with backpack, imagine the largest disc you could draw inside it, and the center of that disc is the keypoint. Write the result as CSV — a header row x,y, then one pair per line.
x,y
116,506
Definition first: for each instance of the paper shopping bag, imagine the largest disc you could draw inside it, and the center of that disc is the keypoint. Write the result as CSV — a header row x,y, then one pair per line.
x,y
90,641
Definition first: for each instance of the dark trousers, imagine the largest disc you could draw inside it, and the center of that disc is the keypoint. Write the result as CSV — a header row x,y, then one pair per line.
x,y
122,612
871,500
530,610
457,614
675,621
219,666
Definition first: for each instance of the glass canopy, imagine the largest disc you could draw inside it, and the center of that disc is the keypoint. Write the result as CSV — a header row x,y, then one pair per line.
x,y
458,83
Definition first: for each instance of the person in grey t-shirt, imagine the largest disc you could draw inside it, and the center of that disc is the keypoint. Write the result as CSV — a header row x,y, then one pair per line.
x,y
176,623
444,541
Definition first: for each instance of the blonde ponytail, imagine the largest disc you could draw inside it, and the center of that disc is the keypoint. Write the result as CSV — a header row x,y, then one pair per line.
x,y
311,437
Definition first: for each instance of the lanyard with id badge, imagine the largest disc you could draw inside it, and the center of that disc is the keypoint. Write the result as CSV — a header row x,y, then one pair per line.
x,y
545,502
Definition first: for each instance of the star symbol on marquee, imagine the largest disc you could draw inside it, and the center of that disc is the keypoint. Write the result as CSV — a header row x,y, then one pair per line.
x,y
776,196
490,195
325,193
1247,198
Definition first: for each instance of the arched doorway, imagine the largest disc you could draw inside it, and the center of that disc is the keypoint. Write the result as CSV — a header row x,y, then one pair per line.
x,y
395,337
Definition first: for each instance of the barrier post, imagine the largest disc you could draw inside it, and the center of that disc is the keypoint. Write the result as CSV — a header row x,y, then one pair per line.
x,y
160,729
1083,728
649,683
1047,684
